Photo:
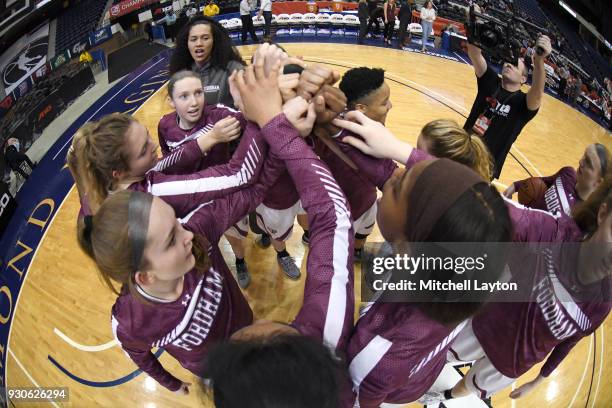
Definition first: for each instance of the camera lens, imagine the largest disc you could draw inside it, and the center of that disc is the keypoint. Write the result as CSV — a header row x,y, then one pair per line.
x,y
489,38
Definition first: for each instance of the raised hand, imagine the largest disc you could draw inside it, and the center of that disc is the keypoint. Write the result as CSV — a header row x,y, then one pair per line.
x,y
542,43
329,103
300,114
259,92
270,54
376,140
313,78
226,130
287,84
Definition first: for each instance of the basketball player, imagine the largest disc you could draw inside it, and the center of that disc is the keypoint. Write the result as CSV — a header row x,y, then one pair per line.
x,y
191,119
276,214
570,299
173,294
109,136
398,348
116,153
501,109
271,351
568,187
365,90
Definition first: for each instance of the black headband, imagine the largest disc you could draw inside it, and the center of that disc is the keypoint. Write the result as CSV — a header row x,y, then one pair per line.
x,y
138,224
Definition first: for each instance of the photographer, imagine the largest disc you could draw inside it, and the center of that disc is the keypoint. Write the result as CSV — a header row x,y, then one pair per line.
x,y
501,109
16,160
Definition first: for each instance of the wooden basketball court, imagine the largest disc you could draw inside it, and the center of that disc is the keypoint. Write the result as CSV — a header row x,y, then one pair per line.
x,y
61,335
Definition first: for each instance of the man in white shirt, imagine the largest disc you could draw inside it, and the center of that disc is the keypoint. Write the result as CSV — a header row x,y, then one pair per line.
x,y
246,6
265,9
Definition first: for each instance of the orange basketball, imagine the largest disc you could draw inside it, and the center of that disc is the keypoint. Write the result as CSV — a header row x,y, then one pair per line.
x,y
530,190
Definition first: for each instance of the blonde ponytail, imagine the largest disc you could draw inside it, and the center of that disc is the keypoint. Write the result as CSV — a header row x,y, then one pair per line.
x,y
445,138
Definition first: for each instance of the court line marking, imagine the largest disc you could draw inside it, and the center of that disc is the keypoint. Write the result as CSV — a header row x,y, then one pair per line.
x,y
109,100
434,93
601,354
27,275
586,366
91,349
528,161
29,376
459,56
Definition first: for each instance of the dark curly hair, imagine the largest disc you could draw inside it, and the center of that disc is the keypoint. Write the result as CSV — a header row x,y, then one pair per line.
x,y
269,373
222,53
357,83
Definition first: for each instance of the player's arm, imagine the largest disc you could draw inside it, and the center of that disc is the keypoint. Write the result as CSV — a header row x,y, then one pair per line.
x,y
534,96
142,356
554,359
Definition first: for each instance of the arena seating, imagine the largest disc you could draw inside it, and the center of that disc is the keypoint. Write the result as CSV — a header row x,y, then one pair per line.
x,y
75,24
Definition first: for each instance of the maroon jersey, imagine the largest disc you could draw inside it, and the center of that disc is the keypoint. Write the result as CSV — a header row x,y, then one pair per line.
x,y
211,306
171,136
561,311
360,191
372,171
178,180
396,353
282,194
532,225
327,309
560,195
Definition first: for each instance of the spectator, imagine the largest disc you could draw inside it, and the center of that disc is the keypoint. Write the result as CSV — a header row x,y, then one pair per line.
x,y
577,89
211,9
389,17
149,31
17,161
563,75
204,46
246,7
501,109
405,15
170,21
265,10
363,20
428,15
608,85
375,13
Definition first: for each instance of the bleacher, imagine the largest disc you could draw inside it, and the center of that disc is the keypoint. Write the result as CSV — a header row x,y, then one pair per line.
x,y
573,48
593,64
40,91
75,24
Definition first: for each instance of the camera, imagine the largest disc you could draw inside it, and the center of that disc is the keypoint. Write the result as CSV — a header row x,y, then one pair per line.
x,y
496,34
